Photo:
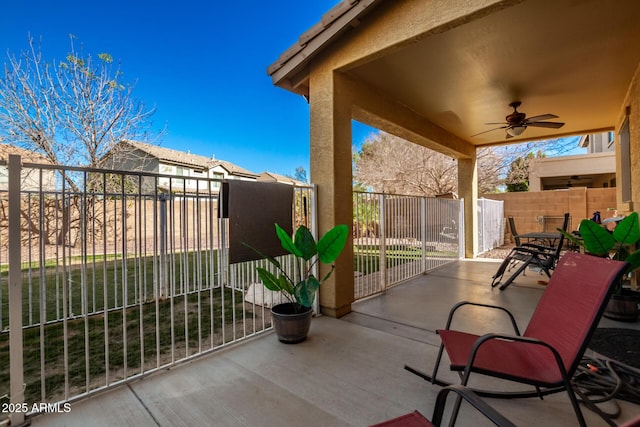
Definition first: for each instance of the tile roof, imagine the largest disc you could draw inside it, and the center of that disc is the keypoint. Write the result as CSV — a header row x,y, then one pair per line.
x,y
274,177
184,158
27,155
234,169
336,21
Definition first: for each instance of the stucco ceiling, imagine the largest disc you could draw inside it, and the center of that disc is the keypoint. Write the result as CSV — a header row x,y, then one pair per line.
x,y
571,58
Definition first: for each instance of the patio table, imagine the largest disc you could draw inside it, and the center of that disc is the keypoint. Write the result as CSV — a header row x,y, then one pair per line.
x,y
548,239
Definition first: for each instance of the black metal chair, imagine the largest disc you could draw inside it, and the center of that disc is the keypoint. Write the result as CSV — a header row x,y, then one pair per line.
x,y
416,419
529,254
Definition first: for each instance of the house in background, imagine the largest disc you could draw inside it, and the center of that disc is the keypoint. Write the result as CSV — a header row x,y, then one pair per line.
x,y
598,142
596,169
274,177
182,172
31,178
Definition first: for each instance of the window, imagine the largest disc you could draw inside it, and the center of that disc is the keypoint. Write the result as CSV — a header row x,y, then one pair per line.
x,y
625,160
179,182
610,140
216,175
166,169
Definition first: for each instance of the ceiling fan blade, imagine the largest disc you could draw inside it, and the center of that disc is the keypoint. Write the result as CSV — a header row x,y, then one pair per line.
x,y
490,130
498,123
554,125
541,117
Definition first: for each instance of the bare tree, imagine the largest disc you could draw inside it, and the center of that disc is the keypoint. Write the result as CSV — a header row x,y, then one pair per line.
x,y
72,111
392,165
387,163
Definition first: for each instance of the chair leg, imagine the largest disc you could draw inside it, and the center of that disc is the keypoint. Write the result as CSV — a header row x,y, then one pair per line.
x,y
498,275
437,365
574,403
514,275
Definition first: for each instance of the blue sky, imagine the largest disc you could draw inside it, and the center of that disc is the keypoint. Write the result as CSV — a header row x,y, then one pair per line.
x,y
201,63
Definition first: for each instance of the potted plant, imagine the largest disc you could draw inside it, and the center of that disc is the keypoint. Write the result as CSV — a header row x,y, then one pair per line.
x,y
292,319
620,244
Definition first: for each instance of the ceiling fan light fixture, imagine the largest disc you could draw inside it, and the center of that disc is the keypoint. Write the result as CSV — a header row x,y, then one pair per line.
x,y
516,130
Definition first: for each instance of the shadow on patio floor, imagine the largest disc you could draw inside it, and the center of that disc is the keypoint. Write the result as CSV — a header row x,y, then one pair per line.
x,y
349,372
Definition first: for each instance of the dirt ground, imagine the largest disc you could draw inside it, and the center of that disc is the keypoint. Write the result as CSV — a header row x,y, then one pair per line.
x,y
498,253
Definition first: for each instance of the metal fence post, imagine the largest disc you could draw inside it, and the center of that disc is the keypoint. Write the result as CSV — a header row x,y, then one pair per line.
x,y
461,230
382,240
16,365
163,288
423,233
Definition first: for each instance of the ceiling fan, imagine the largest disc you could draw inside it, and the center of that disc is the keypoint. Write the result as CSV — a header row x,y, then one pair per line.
x,y
516,122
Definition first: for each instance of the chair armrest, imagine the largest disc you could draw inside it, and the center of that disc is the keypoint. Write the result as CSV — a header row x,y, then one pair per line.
x,y
477,304
535,250
473,399
517,338
534,246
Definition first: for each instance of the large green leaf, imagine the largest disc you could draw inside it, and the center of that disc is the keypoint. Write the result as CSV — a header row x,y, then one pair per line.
x,y
269,279
305,243
571,237
633,260
331,244
286,242
273,283
627,231
597,240
269,258
286,285
305,291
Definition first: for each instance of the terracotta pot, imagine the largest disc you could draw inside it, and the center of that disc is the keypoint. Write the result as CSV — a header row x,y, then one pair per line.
x,y
623,306
291,322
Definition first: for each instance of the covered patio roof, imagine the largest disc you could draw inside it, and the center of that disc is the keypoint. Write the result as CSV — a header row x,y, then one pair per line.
x,y
442,74
572,59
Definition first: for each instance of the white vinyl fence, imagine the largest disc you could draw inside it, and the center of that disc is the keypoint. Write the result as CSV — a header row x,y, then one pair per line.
x,y
490,224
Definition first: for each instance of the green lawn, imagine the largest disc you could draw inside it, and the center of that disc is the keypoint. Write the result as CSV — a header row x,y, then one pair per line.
x,y
139,338
149,331
73,286
367,257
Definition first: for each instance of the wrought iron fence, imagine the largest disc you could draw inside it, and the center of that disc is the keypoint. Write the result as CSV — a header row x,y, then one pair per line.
x,y
111,275
120,274
398,237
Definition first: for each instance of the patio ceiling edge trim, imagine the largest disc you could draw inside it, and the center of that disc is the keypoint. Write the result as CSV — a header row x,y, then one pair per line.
x,y
336,21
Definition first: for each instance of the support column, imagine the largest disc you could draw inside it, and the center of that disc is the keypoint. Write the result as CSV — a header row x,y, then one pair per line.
x,y
330,169
468,190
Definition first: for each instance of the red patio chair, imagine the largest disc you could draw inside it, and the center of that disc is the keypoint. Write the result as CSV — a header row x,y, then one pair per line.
x,y
547,354
416,419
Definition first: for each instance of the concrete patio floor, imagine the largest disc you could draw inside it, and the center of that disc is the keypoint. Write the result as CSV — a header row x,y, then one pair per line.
x,y
349,372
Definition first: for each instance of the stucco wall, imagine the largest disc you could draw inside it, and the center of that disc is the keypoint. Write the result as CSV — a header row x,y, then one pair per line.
x,y
632,101
581,165
527,208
